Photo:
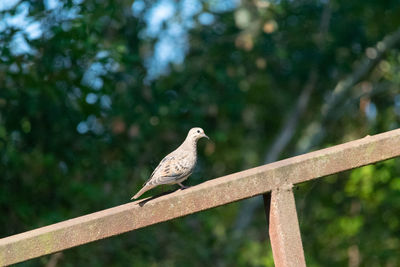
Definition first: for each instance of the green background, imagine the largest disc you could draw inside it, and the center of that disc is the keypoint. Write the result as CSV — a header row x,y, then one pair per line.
x,y
85,118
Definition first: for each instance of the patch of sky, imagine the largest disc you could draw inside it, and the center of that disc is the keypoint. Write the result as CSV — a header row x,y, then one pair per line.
x,y
170,48
82,127
105,102
19,45
91,98
90,124
188,9
14,68
168,22
138,7
91,77
19,18
33,30
102,54
8,4
52,4
20,21
95,125
29,27
371,111
219,6
206,18
156,16
60,13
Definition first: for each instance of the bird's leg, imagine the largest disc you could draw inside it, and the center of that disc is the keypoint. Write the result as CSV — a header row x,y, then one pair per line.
x,y
182,186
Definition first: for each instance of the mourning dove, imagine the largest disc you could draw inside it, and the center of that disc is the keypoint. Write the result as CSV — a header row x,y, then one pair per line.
x,y
177,166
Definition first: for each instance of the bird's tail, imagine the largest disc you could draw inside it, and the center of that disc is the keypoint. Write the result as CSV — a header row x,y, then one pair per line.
x,y
142,191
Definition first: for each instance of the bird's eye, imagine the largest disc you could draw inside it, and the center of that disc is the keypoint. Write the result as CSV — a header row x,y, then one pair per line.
x,y
198,131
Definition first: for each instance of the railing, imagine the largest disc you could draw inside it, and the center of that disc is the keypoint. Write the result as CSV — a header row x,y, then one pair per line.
x,y
277,178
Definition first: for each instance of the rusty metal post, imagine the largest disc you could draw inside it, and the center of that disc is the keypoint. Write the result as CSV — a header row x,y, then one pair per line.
x,y
284,231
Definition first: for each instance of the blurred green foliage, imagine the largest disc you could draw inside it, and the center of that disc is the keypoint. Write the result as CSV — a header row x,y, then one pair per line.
x,y
83,122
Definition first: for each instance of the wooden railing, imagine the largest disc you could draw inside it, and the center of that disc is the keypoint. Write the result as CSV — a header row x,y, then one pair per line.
x,y
274,181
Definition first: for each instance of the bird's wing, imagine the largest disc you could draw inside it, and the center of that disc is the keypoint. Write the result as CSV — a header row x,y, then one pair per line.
x,y
170,169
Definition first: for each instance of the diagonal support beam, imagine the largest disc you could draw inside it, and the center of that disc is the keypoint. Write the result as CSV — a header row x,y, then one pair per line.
x,y
210,194
284,230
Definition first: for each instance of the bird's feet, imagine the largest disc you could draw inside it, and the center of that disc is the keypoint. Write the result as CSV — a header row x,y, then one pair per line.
x,y
182,186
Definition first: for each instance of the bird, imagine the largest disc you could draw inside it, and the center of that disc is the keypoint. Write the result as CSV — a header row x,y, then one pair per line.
x,y
177,166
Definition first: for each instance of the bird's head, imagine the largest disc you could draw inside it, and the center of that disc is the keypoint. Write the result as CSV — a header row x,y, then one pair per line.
x,y
197,133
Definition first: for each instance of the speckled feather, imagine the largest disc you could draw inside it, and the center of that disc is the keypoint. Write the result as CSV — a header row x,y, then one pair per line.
x,y
176,166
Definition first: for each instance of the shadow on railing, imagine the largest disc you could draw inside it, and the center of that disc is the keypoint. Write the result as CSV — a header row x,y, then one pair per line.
x,y
274,181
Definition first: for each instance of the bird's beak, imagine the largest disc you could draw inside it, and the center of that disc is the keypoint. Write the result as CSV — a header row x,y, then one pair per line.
x,y
204,135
